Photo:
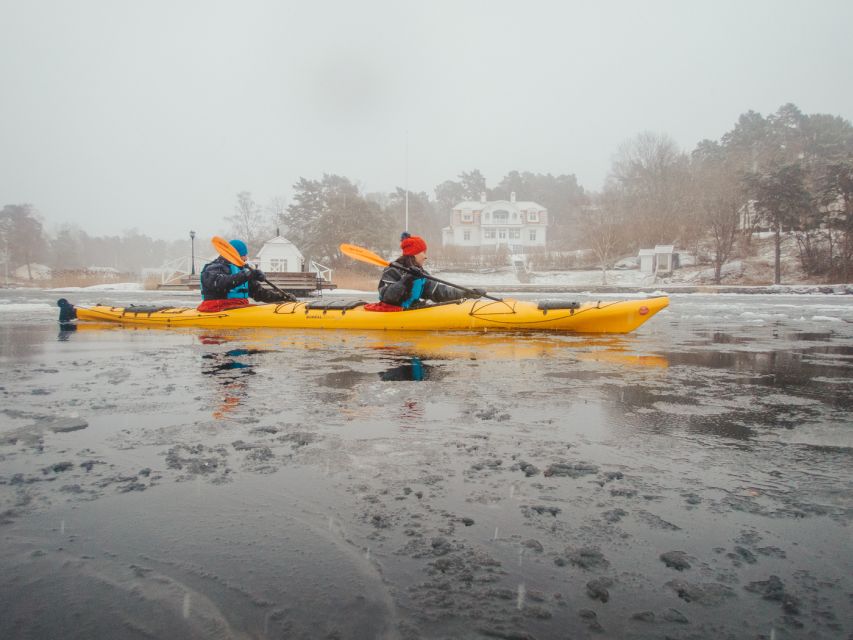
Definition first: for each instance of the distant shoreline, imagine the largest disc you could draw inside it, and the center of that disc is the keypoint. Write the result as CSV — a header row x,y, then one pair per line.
x,y
834,289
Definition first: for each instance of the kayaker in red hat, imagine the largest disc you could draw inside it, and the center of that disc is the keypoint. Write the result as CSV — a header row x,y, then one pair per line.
x,y
226,286
406,289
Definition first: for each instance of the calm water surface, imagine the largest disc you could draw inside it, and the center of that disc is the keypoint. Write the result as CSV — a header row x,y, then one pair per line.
x,y
689,480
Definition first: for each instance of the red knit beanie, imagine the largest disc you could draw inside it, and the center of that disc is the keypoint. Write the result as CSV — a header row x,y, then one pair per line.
x,y
412,245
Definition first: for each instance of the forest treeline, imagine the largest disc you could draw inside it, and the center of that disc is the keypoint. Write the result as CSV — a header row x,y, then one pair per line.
x,y
788,172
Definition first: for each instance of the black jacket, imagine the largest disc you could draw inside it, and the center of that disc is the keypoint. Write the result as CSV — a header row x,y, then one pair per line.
x,y
395,287
217,280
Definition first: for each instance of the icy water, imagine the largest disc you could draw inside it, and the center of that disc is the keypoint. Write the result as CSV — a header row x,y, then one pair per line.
x,y
690,480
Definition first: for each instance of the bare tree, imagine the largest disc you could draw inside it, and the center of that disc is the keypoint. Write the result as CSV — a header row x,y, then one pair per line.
x,y
23,238
653,180
248,222
276,210
603,226
718,199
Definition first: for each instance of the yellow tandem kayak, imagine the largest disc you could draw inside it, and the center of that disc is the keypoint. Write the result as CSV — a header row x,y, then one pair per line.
x,y
462,315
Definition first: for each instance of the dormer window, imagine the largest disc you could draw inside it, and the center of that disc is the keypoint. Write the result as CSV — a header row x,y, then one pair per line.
x,y
467,216
533,216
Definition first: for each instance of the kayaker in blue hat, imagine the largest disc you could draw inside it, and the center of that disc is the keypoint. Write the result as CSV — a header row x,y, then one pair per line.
x,y
406,288
226,286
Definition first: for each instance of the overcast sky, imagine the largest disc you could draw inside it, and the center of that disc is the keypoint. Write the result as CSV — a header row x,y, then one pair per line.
x,y
154,114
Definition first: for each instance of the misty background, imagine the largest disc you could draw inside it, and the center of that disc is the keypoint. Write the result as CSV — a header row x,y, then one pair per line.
x,y
140,121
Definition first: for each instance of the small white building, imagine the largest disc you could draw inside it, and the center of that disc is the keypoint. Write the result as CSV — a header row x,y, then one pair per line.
x,y
647,260
662,259
481,224
280,255
665,258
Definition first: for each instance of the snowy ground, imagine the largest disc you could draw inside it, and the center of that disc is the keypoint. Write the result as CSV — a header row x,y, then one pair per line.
x,y
689,480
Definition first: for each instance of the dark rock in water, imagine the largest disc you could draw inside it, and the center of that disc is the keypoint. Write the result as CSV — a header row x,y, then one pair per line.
x,y
742,554
59,467
540,509
467,521
708,593
132,486
614,515
597,589
674,615
570,470
623,493
587,558
88,464
528,469
644,616
591,619
533,544
675,560
440,546
145,472
260,454
774,589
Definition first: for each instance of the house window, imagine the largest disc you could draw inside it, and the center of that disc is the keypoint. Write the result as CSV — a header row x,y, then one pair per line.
x,y
278,265
487,215
533,216
501,216
533,234
466,235
489,234
467,217
502,234
515,234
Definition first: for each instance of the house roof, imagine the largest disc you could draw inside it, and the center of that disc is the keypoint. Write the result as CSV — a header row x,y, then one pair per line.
x,y
476,205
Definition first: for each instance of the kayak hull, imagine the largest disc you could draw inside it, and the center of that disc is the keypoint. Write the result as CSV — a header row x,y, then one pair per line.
x,y
464,315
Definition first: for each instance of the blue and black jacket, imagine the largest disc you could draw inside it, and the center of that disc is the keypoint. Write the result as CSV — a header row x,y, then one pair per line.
x,y
221,280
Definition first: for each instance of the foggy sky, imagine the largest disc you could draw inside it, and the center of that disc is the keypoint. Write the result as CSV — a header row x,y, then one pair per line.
x,y
153,115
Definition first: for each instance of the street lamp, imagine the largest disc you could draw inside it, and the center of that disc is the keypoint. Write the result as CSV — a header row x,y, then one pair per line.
x,y
192,253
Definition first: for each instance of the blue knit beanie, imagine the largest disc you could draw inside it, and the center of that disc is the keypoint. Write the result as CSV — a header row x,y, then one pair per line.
x,y
240,247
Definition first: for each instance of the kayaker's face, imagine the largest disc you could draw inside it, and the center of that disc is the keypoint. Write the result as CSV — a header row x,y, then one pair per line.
x,y
420,258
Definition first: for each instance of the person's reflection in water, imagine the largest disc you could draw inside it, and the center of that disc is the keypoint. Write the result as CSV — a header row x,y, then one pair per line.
x,y
67,319
415,370
66,330
227,368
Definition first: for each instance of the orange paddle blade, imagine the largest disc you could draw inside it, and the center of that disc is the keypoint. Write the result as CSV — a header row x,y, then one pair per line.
x,y
224,248
365,255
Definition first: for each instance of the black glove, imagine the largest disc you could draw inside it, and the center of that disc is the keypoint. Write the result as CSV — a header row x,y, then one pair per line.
x,y
257,275
477,292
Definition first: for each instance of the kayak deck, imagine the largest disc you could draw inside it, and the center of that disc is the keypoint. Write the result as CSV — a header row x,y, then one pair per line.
x,y
463,315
